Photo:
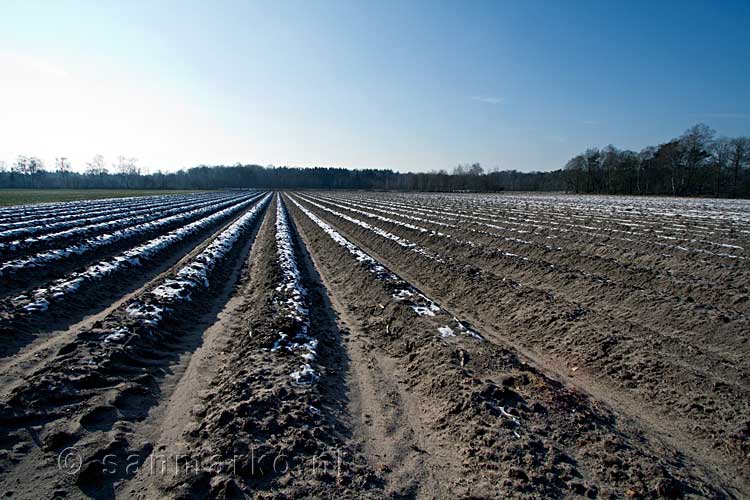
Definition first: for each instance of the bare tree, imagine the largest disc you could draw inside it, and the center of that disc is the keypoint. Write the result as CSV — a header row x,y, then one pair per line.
x,y
610,157
720,152
695,143
96,166
593,166
645,160
21,165
33,167
128,168
62,165
739,157
475,169
120,165
133,168
575,173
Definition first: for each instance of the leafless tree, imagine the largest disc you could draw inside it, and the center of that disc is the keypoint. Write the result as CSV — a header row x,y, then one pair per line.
x,y
128,168
475,169
120,165
29,168
96,166
646,158
720,152
35,166
739,157
695,143
21,165
62,165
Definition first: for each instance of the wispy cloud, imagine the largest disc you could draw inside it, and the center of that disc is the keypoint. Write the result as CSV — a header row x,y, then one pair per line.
x,y
741,116
488,100
559,139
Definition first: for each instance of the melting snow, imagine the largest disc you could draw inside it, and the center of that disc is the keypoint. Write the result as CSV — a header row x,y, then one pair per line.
x,y
446,331
292,302
404,292
132,258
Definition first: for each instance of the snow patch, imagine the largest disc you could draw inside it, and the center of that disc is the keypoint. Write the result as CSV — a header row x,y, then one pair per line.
x,y
446,331
291,302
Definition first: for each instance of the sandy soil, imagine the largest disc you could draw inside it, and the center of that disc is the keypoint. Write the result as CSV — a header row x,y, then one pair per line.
x,y
423,355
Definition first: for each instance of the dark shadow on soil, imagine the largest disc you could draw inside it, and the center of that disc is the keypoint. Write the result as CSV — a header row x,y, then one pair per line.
x,y
333,354
137,376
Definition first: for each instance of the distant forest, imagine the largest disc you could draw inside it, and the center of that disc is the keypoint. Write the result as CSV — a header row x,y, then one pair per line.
x,y
695,164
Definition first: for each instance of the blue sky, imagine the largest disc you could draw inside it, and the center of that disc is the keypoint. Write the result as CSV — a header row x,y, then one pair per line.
x,y
406,85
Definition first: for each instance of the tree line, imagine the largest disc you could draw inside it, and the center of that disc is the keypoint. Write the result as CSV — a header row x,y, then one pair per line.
x,y
124,173
695,164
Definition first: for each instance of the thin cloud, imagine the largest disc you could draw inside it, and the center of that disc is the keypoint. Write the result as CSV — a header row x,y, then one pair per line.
x,y
559,139
742,116
488,100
